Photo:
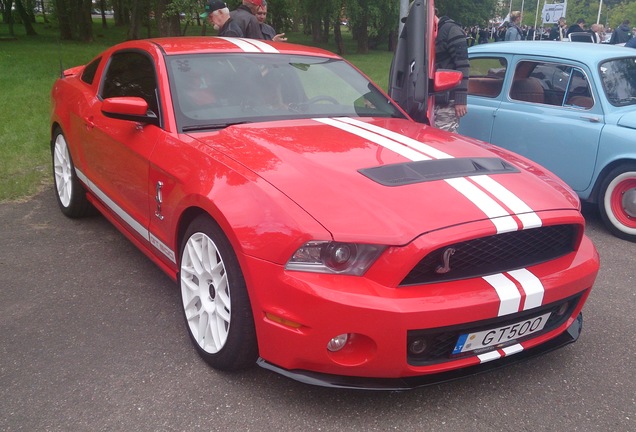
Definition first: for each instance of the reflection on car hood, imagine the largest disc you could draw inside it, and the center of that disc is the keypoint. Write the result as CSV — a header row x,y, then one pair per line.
x,y
628,120
323,165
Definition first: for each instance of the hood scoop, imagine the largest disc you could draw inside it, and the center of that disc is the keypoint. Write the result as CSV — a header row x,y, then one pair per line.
x,y
438,169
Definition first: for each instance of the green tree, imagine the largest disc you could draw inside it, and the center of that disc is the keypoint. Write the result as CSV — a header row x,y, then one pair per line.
x,y
470,12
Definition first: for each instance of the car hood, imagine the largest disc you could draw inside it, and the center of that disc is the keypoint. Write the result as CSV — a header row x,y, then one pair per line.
x,y
390,180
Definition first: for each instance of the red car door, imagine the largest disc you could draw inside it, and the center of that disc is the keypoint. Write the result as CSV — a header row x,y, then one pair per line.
x,y
117,151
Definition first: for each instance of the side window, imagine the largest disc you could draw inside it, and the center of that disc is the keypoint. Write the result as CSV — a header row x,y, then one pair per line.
x,y
527,87
487,76
131,73
89,71
551,84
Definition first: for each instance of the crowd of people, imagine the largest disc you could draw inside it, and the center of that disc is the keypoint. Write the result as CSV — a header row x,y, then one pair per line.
x,y
512,30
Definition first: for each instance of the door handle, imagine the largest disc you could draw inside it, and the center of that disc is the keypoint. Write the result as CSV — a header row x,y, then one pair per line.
x,y
88,121
591,119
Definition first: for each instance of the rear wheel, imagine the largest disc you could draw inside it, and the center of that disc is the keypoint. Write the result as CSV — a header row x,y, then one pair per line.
x,y
617,202
70,194
215,302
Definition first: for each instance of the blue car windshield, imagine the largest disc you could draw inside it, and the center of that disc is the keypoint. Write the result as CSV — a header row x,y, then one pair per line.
x,y
619,81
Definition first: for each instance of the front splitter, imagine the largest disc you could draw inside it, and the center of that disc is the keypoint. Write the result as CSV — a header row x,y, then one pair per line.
x,y
408,383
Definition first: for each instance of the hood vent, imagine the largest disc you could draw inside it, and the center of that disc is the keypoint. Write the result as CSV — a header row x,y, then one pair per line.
x,y
438,169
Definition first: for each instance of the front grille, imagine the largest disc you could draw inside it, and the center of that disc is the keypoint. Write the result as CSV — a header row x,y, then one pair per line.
x,y
494,254
440,342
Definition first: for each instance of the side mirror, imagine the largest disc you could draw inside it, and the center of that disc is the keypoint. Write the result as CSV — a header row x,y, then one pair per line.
x,y
446,79
129,108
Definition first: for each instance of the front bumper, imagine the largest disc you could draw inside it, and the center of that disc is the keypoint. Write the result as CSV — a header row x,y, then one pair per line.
x,y
408,383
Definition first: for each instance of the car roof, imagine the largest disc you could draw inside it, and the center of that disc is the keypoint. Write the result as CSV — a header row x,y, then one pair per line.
x,y
212,44
585,52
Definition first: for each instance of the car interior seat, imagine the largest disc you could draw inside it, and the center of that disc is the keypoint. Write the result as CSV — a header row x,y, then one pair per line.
x,y
527,90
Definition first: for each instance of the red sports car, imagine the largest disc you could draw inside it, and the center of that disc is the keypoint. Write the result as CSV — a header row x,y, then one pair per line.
x,y
310,225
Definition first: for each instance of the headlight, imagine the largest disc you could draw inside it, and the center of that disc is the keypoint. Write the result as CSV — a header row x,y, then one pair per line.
x,y
334,257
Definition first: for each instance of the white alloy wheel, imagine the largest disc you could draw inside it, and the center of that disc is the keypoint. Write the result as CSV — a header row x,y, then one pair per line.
x,y
205,292
216,305
70,194
63,170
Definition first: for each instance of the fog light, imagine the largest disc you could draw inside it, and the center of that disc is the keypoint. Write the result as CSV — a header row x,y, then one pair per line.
x,y
418,346
338,343
563,309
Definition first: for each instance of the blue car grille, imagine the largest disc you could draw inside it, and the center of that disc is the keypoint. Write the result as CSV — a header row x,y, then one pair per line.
x,y
494,254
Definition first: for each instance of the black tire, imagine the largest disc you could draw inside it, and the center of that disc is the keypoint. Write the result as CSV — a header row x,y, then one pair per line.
x,y
214,298
70,194
617,201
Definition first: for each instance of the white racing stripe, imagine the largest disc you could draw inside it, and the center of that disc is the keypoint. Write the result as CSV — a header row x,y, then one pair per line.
x,y
494,355
132,223
532,286
250,45
489,356
398,148
510,295
528,217
512,349
495,212
428,150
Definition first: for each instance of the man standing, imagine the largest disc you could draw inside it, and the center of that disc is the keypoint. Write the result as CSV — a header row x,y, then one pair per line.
x,y
578,27
621,34
513,33
217,14
245,17
451,52
268,31
558,30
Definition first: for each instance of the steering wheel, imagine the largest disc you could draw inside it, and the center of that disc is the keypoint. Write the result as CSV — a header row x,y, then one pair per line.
x,y
320,98
302,106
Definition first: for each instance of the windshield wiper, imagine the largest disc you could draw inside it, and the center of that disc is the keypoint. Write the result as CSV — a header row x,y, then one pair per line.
x,y
212,126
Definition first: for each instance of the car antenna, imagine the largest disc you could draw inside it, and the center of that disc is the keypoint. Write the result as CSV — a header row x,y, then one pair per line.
x,y
59,48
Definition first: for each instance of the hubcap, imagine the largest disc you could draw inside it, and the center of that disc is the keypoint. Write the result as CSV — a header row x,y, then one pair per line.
x,y
629,202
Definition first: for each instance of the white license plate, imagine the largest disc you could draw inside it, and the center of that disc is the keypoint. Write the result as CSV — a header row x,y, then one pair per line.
x,y
501,335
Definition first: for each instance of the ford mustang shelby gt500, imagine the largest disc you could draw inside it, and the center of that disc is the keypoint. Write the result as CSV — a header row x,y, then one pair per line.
x,y
310,225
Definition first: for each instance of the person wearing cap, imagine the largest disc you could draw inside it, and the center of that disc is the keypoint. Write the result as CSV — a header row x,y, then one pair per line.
x,y
245,17
218,14
268,31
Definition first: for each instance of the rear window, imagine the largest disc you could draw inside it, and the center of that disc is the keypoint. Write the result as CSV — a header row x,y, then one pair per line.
x,y
487,76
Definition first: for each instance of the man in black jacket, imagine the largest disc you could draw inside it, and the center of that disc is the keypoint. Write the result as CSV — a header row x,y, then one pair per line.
x,y
245,17
451,52
621,34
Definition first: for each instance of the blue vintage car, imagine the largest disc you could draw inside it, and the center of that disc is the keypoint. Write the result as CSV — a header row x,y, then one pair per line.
x,y
570,107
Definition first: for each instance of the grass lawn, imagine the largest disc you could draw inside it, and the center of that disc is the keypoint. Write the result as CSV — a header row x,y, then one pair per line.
x,y
30,65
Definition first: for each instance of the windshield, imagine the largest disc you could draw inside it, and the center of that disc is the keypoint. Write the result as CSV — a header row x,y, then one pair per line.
x,y
619,81
217,90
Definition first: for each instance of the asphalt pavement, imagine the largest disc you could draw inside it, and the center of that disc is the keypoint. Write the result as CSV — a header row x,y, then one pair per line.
x,y
92,339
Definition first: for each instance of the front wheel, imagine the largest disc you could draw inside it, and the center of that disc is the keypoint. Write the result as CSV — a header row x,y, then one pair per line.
x,y
214,296
617,202
70,194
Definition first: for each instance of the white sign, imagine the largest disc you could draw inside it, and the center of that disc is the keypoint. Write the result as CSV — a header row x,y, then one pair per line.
x,y
552,12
